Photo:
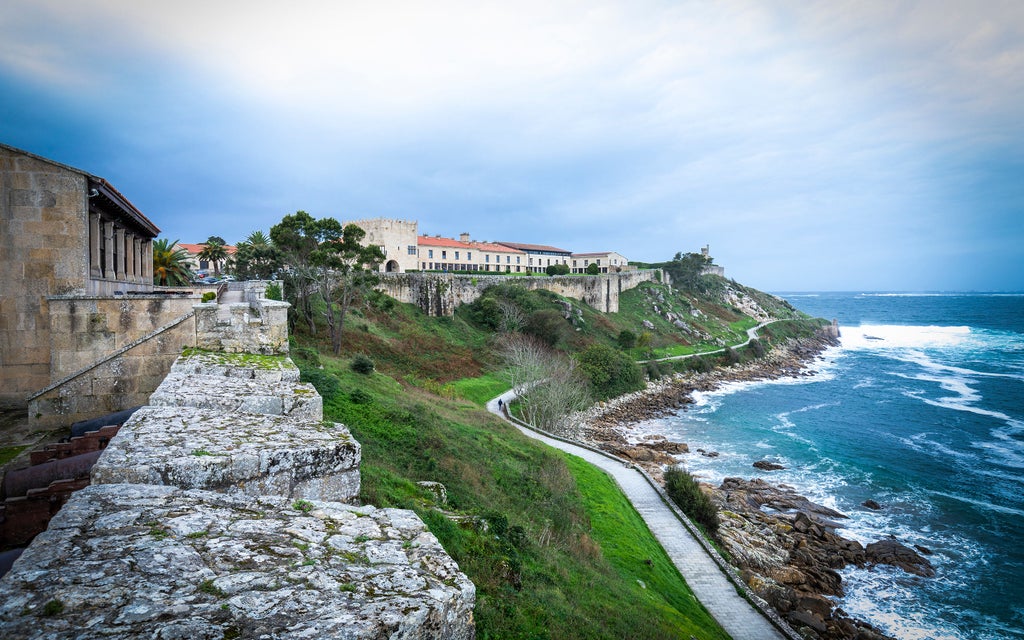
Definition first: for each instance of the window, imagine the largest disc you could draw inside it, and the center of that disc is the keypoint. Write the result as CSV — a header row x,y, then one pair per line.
x,y
469,255
487,257
430,253
411,249
444,255
456,255
519,260
508,259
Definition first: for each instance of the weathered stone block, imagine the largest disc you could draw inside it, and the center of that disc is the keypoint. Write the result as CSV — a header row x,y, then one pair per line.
x,y
158,562
233,452
227,394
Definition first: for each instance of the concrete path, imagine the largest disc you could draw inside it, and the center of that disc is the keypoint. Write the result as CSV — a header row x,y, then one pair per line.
x,y
711,586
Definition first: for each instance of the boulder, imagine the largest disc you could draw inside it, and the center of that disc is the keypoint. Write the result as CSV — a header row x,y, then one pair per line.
x,y
892,552
871,504
766,465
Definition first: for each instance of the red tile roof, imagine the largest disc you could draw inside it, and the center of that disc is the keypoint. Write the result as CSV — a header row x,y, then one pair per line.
x,y
535,247
196,249
433,241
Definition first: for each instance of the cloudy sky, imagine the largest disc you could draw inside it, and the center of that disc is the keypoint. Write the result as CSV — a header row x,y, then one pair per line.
x,y
834,145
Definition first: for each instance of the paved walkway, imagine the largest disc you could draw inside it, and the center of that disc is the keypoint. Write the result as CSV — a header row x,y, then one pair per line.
x,y
711,586
229,297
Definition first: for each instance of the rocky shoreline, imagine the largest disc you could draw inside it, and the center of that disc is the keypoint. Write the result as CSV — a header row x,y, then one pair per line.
x,y
785,547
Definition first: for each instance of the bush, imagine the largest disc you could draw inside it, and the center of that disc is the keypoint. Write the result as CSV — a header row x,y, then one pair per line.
x,y
273,292
557,270
687,495
593,269
209,295
610,372
627,339
362,364
325,384
756,348
547,325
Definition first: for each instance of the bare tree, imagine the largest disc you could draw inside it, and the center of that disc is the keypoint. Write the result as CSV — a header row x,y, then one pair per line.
x,y
549,386
512,317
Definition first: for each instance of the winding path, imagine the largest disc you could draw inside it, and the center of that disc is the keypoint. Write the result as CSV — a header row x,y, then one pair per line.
x,y
705,573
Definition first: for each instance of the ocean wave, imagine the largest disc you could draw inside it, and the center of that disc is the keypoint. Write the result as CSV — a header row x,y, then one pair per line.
x,y
981,504
942,294
895,336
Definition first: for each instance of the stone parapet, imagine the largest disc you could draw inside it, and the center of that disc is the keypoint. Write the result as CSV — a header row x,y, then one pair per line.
x,y
246,382
233,453
129,561
261,327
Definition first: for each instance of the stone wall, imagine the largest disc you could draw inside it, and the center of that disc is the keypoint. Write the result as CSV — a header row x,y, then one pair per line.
x,y
394,237
85,329
120,380
438,294
43,251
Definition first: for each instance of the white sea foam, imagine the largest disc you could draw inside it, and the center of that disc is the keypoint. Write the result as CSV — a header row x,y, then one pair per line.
x,y
895,336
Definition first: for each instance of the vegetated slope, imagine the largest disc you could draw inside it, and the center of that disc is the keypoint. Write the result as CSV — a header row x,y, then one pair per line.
x,y
553,547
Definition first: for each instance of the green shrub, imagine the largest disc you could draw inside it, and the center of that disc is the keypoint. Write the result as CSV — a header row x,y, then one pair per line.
x,y
325,384
557,270
362,364
610,371
687,495
209,295
756,348
593,269
273,292
359,396
627,339
548,326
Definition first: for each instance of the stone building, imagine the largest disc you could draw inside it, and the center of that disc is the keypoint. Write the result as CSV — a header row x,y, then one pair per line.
x,y
396,238
448,254
63,231
539,256
606,261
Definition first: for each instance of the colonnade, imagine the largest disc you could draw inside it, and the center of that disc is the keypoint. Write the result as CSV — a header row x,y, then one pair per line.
x,y
117,253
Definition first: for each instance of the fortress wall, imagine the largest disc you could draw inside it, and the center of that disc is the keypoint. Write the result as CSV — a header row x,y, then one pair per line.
x,y
438,294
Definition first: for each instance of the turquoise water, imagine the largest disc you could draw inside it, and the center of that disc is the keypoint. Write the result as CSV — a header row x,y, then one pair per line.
x,y
920,409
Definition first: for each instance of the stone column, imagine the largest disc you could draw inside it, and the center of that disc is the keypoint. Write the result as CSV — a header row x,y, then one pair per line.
x,y
147,260
137,254
108,247
119,243
95,268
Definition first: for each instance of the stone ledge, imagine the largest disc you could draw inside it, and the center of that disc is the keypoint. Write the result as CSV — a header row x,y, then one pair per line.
x,y
126,561
264,368
226,393
253,454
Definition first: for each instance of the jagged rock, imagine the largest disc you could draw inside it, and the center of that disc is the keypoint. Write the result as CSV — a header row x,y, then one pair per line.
x,y
871,504
766,465
894,553
647,324
708,454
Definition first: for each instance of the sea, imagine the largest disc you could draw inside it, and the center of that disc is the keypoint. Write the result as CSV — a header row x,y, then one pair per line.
x,y
920,409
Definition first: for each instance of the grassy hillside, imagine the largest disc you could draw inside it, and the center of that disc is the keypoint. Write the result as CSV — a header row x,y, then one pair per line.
x,y
554,548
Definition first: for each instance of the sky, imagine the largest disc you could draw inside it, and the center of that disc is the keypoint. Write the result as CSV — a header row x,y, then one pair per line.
x,y
872,145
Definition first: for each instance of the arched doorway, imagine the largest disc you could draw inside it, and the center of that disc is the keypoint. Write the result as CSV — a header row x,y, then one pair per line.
x,y
392,267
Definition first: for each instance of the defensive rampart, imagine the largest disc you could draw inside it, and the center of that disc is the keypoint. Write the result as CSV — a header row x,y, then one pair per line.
x,y
224,509
438,294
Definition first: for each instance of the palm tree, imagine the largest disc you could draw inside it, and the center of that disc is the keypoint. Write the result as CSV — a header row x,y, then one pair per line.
x,y
214,252
257,239
170,264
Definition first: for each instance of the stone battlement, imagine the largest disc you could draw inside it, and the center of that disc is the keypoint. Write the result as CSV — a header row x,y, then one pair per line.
x,y
224,513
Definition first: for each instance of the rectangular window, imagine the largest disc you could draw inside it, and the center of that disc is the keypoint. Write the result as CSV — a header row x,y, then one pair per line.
x,y
430,253
519,260
456,255
508,259
469,255
411,249
444,255
487,257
